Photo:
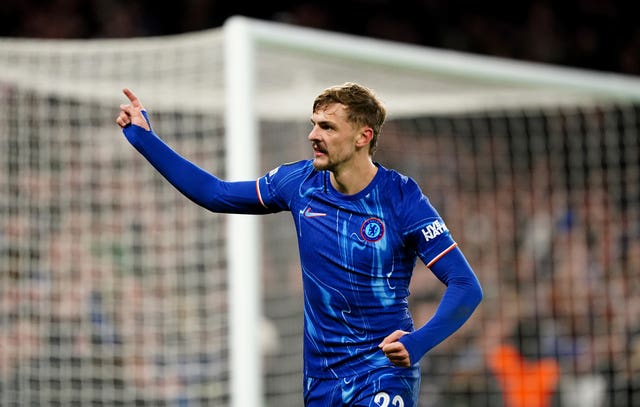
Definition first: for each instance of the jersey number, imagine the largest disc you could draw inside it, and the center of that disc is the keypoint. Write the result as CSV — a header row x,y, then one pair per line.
x,y
384,400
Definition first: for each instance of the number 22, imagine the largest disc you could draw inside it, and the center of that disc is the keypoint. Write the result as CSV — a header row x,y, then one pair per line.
x,y
384,400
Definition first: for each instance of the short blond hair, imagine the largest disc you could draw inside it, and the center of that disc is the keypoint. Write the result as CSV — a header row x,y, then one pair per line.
x,y
362,105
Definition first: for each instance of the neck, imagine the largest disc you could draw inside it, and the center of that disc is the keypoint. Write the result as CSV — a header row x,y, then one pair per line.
x,y
354,179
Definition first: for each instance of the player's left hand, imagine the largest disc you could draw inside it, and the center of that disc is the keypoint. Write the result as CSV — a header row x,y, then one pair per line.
x,y
132,113
395,350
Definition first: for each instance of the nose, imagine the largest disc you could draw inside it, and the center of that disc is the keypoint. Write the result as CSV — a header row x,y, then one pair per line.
x,y
313,134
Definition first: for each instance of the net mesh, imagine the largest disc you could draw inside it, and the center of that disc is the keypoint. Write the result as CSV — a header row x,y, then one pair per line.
x,y
113,290
112,286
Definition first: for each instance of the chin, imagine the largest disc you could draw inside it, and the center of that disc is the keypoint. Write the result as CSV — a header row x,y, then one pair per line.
x,y
320,165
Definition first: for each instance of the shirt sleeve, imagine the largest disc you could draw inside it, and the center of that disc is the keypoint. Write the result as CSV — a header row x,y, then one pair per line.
x,y
277,188
461,297
435,246
425,230
198,185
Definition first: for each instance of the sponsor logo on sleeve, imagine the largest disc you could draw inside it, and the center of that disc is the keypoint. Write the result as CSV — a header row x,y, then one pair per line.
x,y
433,230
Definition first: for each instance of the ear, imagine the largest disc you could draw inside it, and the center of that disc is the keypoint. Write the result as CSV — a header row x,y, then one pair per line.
x,y
365,137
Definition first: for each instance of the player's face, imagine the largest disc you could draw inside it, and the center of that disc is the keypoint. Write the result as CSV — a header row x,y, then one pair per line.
x,y
333,138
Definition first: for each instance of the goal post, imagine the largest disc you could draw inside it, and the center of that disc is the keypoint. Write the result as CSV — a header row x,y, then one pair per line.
x,y
118,291
245,293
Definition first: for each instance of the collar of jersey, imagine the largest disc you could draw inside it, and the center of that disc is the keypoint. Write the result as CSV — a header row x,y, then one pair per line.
x,y
334,192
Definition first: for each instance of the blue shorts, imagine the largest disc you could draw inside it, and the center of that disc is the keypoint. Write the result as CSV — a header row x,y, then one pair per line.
x,y
386,387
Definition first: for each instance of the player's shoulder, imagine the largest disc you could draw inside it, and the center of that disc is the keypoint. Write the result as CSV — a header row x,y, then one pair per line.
x,y
292,166
298,164
398,180
289,171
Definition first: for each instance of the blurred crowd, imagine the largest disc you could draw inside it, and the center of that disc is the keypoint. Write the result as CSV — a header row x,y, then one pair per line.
x,y
551,228
593,34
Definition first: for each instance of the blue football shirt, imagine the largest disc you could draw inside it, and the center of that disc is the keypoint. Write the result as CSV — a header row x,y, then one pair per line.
x,y
357,256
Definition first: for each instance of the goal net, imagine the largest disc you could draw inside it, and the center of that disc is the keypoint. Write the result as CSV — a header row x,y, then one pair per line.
x,y
116,290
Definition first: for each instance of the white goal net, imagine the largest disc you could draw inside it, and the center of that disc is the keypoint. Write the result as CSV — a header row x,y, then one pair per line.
x,y
116,290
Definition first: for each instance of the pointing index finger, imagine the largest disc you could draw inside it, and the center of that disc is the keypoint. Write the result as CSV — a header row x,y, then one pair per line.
x,y
132,98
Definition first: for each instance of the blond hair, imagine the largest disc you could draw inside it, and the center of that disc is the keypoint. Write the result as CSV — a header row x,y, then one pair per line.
x,y
362,105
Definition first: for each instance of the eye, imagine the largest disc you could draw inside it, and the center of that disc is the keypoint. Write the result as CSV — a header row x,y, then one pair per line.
x,y
326,126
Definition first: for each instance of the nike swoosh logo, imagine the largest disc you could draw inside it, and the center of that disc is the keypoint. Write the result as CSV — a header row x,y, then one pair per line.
x,y
308,213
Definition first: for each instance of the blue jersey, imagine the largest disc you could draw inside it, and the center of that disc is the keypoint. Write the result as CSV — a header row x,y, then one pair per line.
x,y
357,255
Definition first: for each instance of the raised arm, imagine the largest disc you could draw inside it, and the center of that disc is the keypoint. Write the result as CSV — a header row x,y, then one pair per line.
x,y
198,185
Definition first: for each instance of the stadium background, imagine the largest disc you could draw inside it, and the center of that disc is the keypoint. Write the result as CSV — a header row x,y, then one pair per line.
x,y
594,34
598,235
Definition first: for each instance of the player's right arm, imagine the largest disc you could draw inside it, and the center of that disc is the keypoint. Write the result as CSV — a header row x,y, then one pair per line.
x,y
201,187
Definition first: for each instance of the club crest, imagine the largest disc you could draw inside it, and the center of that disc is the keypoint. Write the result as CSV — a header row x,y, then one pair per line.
x,y
372,230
